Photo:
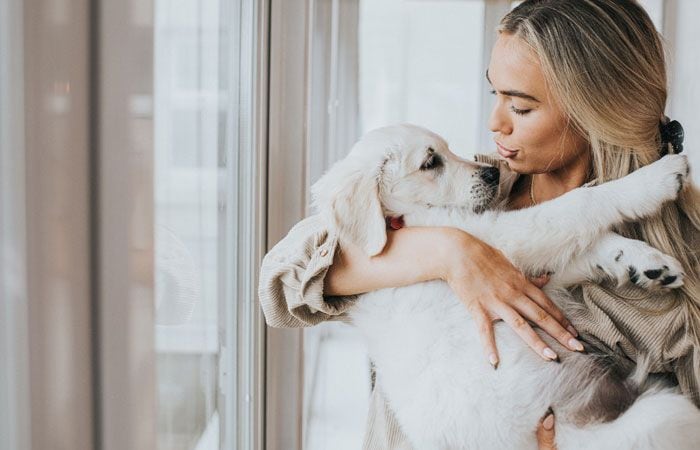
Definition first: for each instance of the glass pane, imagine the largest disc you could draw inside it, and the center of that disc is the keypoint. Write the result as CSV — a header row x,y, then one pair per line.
x,y
190,220
420,62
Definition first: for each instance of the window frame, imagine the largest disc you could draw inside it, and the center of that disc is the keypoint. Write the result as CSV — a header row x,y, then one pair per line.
x,y
286,205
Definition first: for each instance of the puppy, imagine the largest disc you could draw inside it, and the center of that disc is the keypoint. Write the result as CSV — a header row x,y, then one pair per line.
x,y
422,340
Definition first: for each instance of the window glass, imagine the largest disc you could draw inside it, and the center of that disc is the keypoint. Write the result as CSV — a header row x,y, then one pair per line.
x,y
420,62
189,214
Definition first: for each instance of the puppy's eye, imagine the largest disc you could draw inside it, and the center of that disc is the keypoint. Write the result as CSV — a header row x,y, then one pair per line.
x,y
432,162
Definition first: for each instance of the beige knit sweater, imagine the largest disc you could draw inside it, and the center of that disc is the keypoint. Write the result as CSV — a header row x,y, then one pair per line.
x,y
625,319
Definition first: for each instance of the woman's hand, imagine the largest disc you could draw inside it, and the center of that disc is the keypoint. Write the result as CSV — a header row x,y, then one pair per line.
x,y
492,288
545,432
481,276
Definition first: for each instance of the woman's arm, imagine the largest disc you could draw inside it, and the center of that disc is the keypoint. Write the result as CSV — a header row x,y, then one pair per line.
x,y
411,255
487,283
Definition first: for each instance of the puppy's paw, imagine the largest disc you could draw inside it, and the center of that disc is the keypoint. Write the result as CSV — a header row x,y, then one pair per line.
x,y
669,175
644,191
648,268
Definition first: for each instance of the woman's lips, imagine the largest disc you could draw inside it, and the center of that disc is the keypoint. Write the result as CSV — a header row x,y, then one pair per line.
x,y
505,152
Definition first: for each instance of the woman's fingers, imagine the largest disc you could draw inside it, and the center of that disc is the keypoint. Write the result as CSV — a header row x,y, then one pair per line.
x,y
532,311
491,287
526,333
540,281
545,432
548,305
488,341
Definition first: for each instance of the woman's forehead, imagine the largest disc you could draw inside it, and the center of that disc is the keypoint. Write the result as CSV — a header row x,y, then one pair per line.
x,y
515,67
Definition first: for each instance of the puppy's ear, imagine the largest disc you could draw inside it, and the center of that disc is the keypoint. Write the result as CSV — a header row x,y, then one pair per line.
x,y
349,197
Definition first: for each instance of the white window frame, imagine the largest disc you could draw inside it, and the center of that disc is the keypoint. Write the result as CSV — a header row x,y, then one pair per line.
x,y
248,154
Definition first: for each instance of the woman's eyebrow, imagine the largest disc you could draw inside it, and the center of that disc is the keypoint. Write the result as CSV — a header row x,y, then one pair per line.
x,y
512,93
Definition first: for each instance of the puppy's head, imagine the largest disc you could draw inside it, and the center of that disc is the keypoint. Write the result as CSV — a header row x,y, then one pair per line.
x,y
394,171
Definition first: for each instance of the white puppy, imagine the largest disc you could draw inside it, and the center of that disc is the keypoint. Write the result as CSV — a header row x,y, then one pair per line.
x,y
425,346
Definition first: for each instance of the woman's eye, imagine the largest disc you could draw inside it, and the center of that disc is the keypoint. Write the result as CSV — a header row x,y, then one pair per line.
x,y
520,112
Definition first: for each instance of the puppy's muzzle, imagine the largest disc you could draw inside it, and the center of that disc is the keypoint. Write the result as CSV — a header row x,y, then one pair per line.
x,y
490,175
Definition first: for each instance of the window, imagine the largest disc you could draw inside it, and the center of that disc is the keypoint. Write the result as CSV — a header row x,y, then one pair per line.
x,y
192,188
421,62
205,225
132,210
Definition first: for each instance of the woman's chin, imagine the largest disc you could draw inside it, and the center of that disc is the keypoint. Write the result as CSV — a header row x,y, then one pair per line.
x,y
517,165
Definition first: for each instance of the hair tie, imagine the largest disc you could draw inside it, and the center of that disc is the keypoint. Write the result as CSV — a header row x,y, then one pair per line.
x,y
671,133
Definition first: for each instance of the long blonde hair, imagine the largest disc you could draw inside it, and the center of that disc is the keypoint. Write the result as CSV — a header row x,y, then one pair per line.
x,y
604,62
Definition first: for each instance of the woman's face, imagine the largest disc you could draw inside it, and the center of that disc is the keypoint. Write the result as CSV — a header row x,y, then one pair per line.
x,y
530,128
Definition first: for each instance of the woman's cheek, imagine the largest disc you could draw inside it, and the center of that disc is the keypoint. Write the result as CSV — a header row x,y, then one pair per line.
x,y
528,134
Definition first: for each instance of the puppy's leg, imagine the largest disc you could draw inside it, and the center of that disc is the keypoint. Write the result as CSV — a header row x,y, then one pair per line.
x,y
641,193
624,260
550,234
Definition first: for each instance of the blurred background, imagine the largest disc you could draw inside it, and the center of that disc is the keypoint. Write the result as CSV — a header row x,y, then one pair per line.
x,y
152,151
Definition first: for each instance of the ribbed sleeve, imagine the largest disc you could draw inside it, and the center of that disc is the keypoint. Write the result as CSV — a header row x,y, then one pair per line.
x,y
292,274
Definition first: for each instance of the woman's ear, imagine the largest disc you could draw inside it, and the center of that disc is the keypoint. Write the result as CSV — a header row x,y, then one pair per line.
x,y
349,197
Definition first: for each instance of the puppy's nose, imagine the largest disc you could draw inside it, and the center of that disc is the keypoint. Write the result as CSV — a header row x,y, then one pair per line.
x,y
490,175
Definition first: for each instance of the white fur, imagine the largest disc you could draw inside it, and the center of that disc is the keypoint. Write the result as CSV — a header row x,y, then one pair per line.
x,y
424,343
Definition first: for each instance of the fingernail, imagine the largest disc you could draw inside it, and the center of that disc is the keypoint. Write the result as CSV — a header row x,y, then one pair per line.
x,y
493,359
574,344
549,354
572,330
548,422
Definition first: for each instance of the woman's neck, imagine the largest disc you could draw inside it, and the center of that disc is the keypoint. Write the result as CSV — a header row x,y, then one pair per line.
x,y
549,185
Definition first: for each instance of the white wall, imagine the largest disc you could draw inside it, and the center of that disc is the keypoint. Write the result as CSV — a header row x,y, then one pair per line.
x,y
683,35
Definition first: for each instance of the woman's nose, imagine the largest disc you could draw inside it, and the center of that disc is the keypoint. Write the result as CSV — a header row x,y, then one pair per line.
x,y
499,121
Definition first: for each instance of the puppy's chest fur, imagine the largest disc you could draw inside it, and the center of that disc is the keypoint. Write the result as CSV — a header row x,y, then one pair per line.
x,y
431,369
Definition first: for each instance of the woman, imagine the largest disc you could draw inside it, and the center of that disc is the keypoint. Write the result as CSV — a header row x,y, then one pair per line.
x,y
580,92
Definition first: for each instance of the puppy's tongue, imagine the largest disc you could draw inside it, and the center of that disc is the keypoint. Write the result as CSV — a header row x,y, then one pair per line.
x,y
395,222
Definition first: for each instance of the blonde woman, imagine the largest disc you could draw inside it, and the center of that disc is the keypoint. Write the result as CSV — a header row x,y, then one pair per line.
x,y
581,91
